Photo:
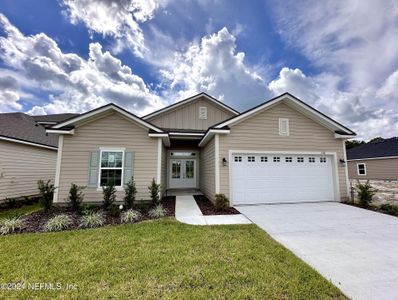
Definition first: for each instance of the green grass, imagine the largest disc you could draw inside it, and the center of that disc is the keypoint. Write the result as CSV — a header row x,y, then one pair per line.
x,y
159,259
24,210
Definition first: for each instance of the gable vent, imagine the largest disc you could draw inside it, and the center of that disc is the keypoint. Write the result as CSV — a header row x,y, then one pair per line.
x,y
283,126
203,113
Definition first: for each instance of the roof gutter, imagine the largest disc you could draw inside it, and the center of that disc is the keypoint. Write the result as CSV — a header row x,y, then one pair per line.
x,y
60,131
27,143
210,133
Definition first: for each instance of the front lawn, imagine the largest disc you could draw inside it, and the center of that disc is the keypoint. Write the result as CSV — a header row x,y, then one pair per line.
x,y
159,259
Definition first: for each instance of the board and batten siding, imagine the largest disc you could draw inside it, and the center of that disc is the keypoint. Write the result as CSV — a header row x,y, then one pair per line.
x,y
260,132
113,131
377,169
21,166
186,116
207,170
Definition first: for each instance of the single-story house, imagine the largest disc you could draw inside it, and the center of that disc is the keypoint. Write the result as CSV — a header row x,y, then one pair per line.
x,y
376,160
282,150
27,153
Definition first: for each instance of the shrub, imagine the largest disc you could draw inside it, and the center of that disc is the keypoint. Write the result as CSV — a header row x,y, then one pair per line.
x,y
130,192
389,209
8,226
58,223
365,193
154,191
157,212
114,210
47,193
87,208
109,193
93,219
130,216
222,202
76,196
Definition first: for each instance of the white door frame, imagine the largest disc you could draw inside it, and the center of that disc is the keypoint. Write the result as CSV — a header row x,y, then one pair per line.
x,y
196,165
336,184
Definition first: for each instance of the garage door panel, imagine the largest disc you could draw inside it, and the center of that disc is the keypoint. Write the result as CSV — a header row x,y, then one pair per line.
x,y
294,178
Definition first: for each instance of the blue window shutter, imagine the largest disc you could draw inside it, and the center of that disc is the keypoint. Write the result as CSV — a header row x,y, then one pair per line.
x,y
128,166
93,170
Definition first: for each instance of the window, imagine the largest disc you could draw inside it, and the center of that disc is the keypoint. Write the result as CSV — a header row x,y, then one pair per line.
x,y
322,159
251,159
283,126
264,159
277,159
238,158
288,159
111,170
203,113
176,169
361,169
311,159
300,159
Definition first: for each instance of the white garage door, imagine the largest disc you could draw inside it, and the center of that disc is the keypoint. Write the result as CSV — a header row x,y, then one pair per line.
x,y
275,178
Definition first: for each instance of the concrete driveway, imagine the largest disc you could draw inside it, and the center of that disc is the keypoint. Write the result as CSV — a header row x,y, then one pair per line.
x,y
355,248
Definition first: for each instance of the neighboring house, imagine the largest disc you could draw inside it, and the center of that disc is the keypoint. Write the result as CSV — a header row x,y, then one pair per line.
x,y
27,153
376,160
280,151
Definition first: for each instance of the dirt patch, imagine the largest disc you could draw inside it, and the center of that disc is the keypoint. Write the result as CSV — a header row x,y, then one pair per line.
x,y
208,208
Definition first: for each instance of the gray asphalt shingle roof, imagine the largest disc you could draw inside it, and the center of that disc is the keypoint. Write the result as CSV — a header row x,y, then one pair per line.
x,y
54,118
386,148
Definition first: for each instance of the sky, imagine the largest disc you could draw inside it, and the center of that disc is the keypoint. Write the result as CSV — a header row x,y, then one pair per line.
x,y
341,57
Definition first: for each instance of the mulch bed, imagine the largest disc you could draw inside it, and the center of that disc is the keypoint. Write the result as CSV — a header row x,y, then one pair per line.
x,y
208,208
374,208
35,221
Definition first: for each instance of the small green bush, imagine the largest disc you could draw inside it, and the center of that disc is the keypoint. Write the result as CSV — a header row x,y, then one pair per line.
x,y
389,209
130,216
130,192
222,202
365,193
154,191
109,193
157,212
58,223
76,196
46,190
93,219
114,210
10,225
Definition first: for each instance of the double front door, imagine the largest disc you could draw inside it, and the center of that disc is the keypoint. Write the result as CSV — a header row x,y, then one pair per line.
x,y
182,173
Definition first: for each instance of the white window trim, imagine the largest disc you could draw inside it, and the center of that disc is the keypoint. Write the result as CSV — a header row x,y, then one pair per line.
x,y
364,167
287,133
100,168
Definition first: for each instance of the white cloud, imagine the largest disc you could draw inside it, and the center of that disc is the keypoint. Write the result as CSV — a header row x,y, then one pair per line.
x,y
214,66
117,18
74,84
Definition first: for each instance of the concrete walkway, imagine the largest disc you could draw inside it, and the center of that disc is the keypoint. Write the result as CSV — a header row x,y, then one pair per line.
x,y
187,211
356,249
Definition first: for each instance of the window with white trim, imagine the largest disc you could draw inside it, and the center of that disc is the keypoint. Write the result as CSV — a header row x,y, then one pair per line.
x,y
283,126
251,159
322,159
311,159
288,159
276,159
238,158
111,167
264,159
300,159
203,113
361,169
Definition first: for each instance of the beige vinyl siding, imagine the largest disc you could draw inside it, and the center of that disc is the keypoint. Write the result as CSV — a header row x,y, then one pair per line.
x,y
375,169
112,131
261,133
187,116
207,170
21,166
164,170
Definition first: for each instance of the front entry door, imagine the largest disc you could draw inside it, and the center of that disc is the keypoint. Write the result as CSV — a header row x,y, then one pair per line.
x,y
182,173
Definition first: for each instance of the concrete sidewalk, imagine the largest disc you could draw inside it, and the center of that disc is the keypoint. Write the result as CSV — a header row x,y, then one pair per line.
x,y
187,211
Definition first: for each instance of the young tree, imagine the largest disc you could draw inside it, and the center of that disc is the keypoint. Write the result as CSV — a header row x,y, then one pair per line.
x,y
130,192
154,191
